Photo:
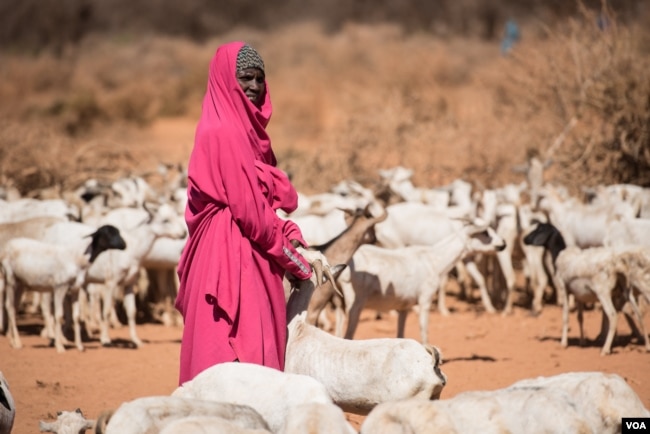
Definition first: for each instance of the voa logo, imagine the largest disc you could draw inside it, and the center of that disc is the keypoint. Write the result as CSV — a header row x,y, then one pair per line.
x,y
636,425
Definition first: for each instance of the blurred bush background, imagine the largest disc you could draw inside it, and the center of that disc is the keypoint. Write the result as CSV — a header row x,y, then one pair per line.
x,y
437,86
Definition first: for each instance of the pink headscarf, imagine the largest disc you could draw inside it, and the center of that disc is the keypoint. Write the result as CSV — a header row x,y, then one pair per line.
x,y
226,105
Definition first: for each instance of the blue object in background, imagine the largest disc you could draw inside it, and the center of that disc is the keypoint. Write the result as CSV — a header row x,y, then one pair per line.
x,y
511,36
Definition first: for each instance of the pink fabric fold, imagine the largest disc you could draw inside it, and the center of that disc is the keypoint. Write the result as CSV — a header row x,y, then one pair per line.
x,y
231,294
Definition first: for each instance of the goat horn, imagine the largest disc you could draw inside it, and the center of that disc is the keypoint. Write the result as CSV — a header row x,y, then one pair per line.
x,y
318,270
332,281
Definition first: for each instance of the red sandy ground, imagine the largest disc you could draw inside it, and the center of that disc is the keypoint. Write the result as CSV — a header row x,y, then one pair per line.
x,y
481,351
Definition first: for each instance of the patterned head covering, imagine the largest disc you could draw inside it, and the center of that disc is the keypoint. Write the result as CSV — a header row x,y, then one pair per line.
x,y
247,57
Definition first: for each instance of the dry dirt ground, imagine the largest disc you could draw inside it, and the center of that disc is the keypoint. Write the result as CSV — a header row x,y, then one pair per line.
x,y
481,351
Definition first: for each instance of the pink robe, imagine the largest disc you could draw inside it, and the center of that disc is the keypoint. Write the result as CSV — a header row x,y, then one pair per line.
x,y
231,294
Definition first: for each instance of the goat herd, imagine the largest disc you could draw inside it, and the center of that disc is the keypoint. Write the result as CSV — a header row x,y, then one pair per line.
x,y
392,248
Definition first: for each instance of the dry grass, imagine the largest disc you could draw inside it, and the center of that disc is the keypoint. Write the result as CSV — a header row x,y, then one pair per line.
x,y
591,82
350,102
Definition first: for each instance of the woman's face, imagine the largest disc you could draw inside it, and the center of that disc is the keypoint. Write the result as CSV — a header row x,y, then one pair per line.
x,y
251,81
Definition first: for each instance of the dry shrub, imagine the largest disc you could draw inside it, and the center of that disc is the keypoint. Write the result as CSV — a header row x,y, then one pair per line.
x,y
372,97
349,103
65,117
31,155
35,156
585,88
35,25
104,81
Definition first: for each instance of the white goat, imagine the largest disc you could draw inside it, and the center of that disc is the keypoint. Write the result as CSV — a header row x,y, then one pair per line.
x,y
613,194
575,402
500,208
347,194
7,406
454,200
397,181
126,266
590,274
42,266
29,228
132,191
582,225
140,223
347,368
536,261
398,279
161,263
417,224
22,209
316,418
151,414
34,228
68,422
602,398
208,425
630,231
319,229
121,217
115,270
637,263
269,391
339,250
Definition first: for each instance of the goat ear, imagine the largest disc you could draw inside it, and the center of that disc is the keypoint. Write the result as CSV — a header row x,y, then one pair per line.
x,y
46,427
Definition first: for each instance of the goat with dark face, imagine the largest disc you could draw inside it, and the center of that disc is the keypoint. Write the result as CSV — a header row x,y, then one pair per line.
x,y
51,268
105,238
595,274
548,236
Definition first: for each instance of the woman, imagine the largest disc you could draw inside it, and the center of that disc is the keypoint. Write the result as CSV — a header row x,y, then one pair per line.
x,y
231,294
